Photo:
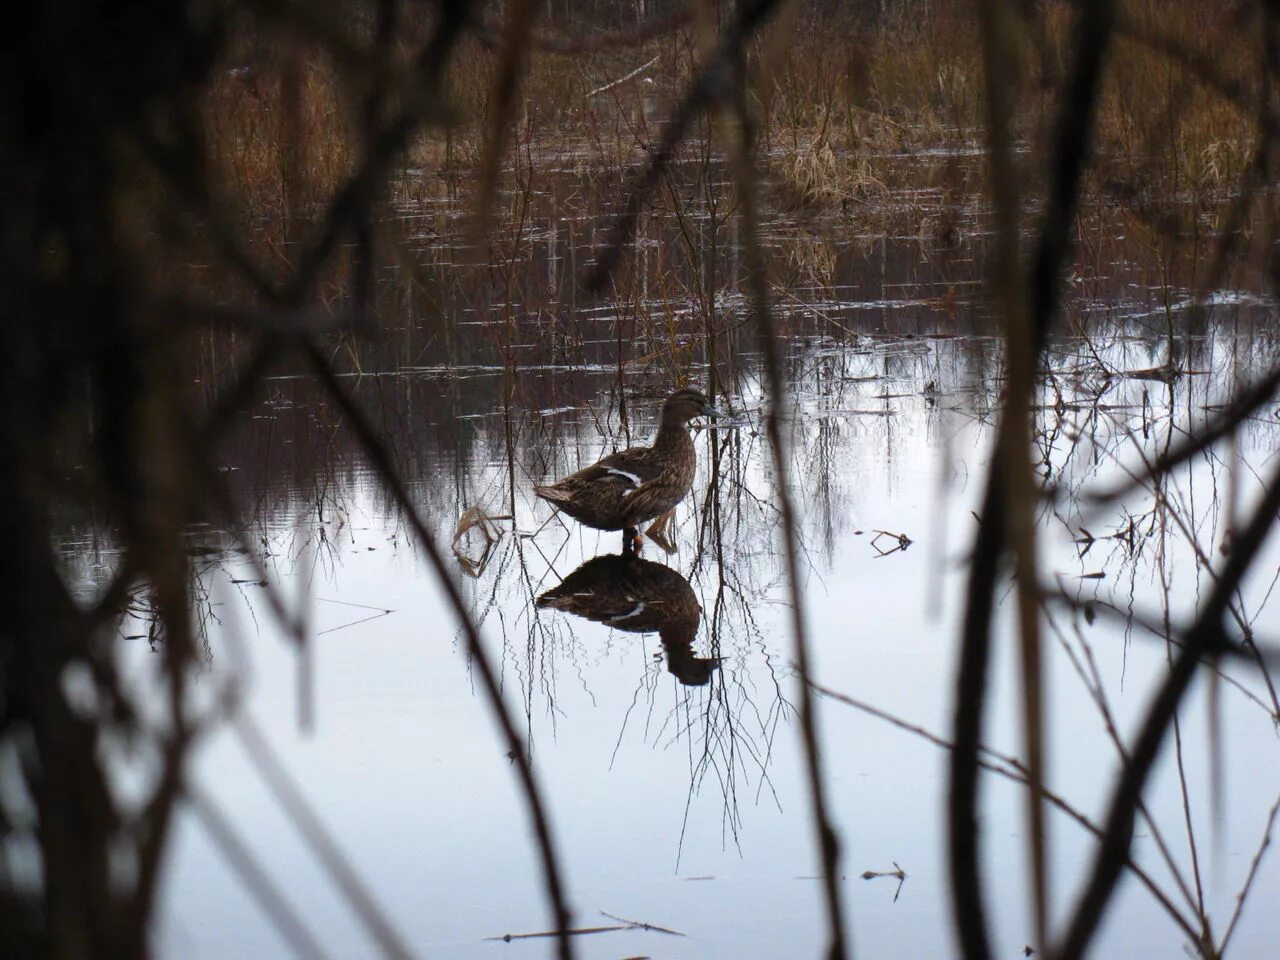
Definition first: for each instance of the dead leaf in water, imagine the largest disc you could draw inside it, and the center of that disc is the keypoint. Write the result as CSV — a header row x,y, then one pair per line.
x,y
475,519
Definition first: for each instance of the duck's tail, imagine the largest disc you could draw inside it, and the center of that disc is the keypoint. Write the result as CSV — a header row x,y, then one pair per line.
x,y
551,494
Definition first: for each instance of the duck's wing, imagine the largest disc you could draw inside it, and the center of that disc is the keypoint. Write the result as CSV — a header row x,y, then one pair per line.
x,y
627,469
635,467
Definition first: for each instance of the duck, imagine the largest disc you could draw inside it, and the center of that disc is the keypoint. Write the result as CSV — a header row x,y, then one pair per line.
x,y
635,595
632,486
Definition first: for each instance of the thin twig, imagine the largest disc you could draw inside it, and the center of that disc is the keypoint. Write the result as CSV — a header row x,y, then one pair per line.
x,y
380,458
265,892
1043,289
712,86
1243,895
322,844
1011,769
1204,636
827,841
623,79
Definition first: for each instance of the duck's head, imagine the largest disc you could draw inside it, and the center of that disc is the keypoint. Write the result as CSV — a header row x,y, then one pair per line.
x,y
684,405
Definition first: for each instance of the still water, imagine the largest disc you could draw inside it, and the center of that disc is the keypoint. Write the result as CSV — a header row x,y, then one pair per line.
x,y
670,758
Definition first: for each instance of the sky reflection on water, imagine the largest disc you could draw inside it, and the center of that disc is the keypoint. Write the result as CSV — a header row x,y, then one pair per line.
x,y
681,805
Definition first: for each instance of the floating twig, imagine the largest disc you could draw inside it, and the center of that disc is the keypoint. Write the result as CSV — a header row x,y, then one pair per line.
x,y
622,924
376,614
901,542
641,925
573,932
897,873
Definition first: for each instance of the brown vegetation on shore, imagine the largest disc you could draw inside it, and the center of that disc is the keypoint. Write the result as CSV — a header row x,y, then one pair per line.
x,y
836,94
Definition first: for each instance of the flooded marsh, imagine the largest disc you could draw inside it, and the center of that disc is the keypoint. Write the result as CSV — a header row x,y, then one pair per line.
x,y
667,746
962,642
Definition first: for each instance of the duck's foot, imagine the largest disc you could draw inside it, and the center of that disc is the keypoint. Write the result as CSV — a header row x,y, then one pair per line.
x,y
632,542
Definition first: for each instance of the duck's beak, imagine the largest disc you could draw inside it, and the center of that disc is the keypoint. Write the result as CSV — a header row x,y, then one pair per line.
x,y
709,411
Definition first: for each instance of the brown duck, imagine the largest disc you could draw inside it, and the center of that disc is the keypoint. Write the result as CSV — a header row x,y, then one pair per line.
x,y
638,596
627,488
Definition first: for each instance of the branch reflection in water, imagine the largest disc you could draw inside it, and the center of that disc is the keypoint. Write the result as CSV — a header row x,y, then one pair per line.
x,y
889,404
879,425
720,719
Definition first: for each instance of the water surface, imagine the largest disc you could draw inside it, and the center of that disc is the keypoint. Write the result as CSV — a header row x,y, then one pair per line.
x,y
670,764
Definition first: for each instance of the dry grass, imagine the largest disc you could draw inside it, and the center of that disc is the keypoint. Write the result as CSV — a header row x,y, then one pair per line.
x,y
1155,112
835,98
250,122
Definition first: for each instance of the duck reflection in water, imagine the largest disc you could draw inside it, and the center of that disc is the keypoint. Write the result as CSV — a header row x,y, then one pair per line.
x,y
638,596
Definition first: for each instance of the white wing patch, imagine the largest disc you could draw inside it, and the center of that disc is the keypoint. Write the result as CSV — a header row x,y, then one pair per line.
x,y
635,612
628,475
